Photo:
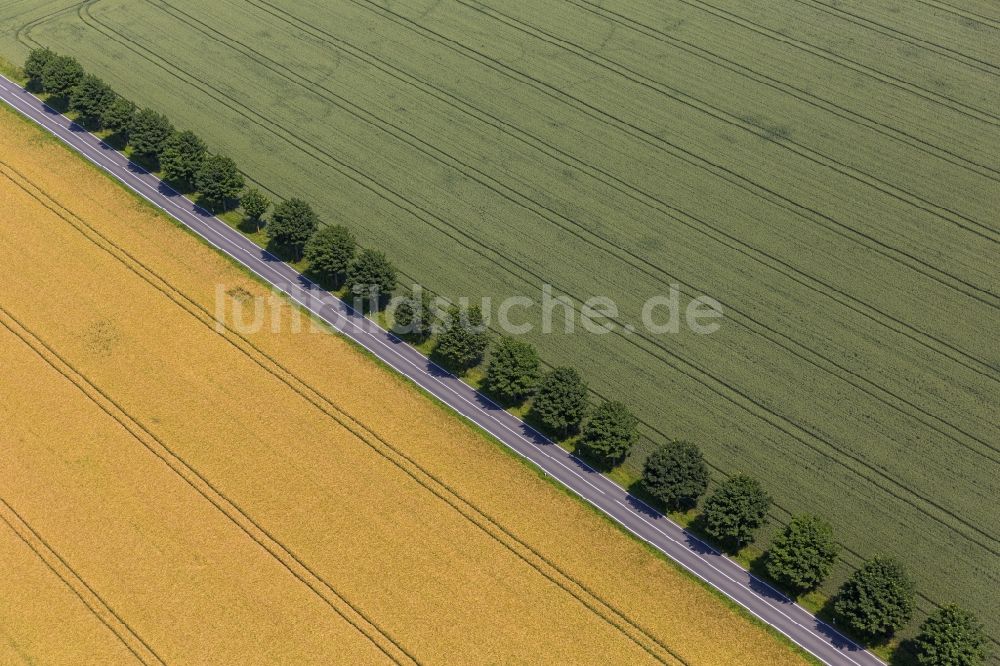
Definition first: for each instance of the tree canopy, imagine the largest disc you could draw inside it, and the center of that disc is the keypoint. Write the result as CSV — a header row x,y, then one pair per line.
x,y
876,600
735,511
464,339
219,181
255,203
60,74
119,116
182,158
951,636
801,557
90,98
34,65
292,223
149,132
414,316
513,370
330,251
610,433
676,475
561,400
371,277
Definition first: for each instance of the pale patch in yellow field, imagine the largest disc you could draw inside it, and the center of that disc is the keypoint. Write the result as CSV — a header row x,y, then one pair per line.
x,y
189,473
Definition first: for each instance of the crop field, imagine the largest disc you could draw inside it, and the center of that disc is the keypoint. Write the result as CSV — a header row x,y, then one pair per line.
x,y
828,171
181,492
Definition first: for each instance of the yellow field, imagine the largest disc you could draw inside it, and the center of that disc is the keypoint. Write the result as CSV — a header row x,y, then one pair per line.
x,y
180,492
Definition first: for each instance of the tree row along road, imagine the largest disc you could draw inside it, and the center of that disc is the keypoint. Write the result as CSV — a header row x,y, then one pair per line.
x,y
753,594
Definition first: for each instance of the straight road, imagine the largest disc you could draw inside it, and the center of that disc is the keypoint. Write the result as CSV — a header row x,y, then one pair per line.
x,y
753,594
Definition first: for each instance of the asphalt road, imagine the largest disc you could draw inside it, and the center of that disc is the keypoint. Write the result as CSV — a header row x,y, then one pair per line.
x,y
753,594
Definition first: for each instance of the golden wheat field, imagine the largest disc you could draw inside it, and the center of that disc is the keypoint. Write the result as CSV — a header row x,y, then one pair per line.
x,y
180,492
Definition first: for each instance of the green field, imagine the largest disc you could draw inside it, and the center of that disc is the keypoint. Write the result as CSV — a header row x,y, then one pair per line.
x,y
829,171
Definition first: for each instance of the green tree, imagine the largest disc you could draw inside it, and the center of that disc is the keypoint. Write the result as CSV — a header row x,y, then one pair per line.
x,y
60,74
801,557
736,510
464,339
182,158
330,252
255,203
876,600
676,475
148,133
34,65
513,370
952,636
90,98
119,116
292,223
610,433
561,401
414,315
219,181
371,277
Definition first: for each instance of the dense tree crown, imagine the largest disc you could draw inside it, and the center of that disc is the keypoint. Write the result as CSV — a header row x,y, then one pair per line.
x,y
255,203
801,557
371,276
34,65
119,116
292,223
330,251
90,98
610,433
952,636
60,74
876,600
735,511
463,340
148,132
513,370
414,316
219,181
676,475
561,400
182,158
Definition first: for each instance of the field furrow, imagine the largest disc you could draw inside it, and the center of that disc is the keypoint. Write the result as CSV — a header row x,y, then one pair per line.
x,y
47,614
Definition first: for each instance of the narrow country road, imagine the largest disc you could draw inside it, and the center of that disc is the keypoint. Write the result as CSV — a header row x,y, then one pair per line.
x,y
753,594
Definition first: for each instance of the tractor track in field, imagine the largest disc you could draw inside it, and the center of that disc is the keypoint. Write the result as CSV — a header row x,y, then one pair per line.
x,y
964,13
743,401
848,232
979,64
834,57
278,551
800,94
425,478
818,158
771,333
87,595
